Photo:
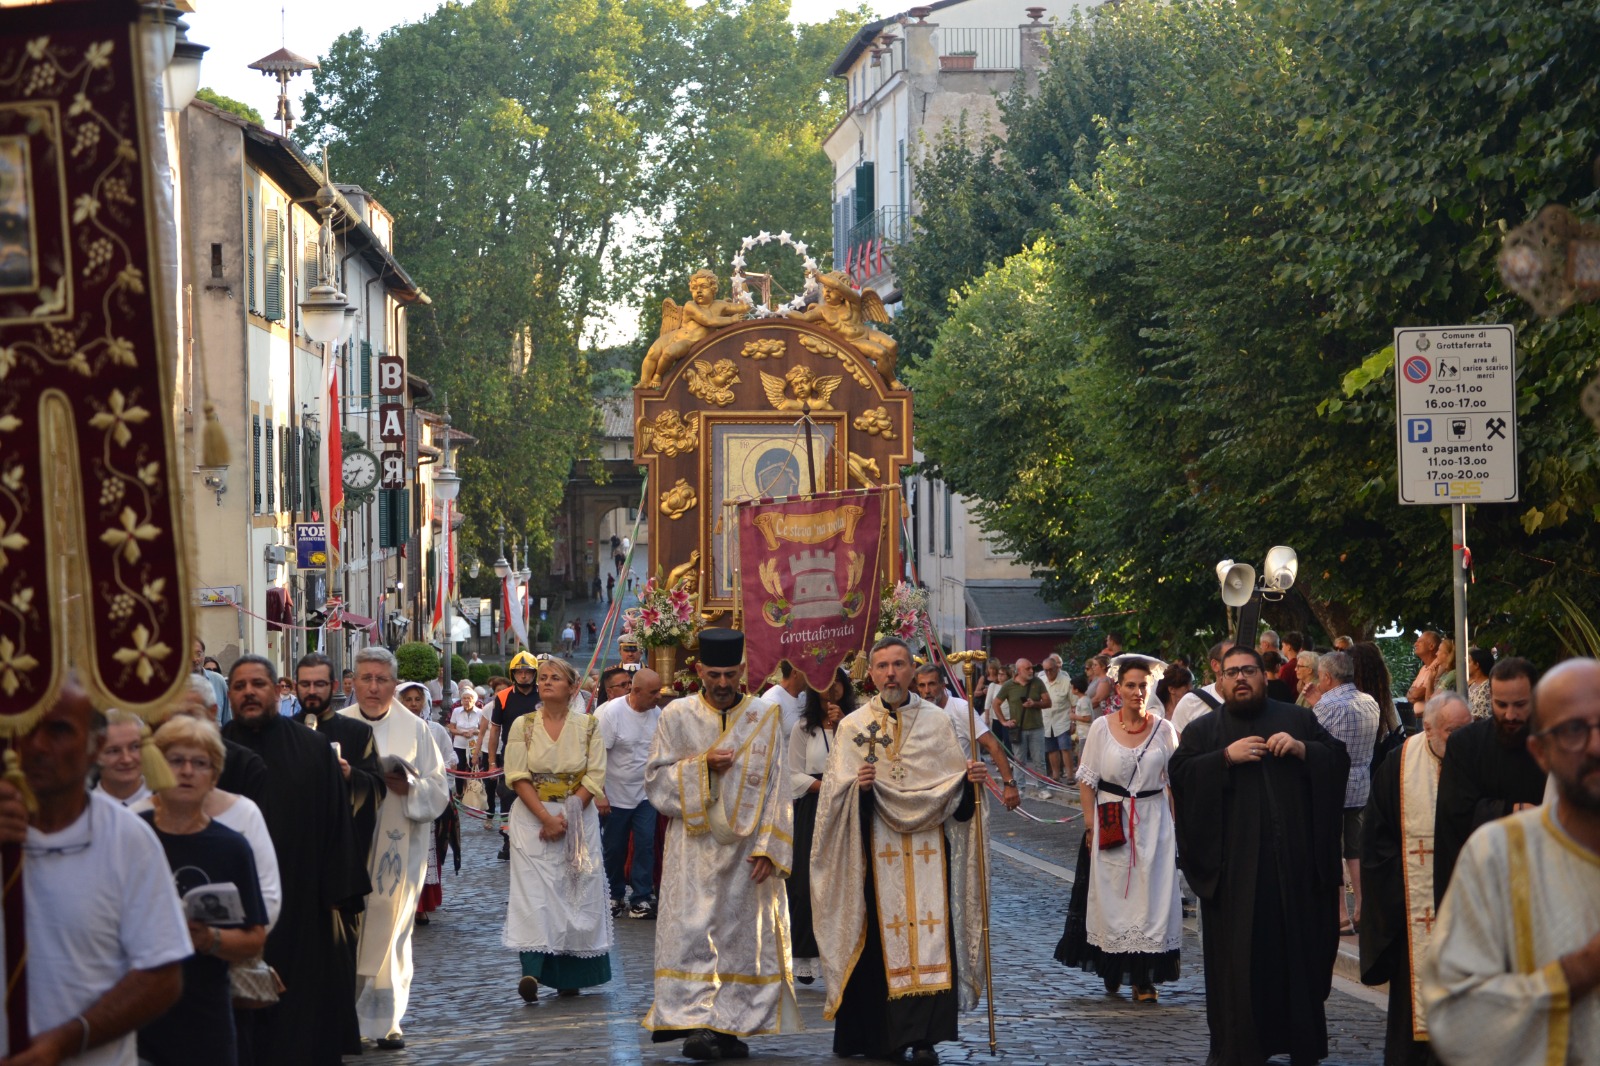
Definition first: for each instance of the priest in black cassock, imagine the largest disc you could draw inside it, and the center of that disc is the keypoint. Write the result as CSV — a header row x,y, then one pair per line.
x,y
1488,772
357,750
308,818
1258,788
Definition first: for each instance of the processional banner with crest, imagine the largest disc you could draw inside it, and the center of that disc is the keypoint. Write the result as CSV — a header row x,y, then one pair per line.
x,y
809,580
92,557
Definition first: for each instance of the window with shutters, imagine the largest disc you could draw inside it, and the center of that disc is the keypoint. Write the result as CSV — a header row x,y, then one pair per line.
x,y
255,464
271,478
366,376
272,254
394,508
285,489
250,249
866,195
307,278
932,494
292,440
949,522
312,465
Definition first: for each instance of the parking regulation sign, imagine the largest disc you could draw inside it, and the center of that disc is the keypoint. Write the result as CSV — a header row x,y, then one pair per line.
x,y
1456,414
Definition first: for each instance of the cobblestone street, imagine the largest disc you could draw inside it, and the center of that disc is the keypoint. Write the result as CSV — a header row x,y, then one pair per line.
x,y
465,1009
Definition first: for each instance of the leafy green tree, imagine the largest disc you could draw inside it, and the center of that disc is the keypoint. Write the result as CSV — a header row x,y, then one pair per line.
x,y
1201,345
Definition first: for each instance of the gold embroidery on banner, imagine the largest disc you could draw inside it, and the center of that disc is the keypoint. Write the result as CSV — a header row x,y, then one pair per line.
x,y
810,528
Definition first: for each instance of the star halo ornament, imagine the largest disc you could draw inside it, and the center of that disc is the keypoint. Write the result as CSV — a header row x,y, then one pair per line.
x,y
741,291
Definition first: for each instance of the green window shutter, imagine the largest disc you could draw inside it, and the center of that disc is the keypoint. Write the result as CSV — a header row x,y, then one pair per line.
x,y
366,374
393,508
866,191
255,463
294,441
271,479
250,248
313,468
273,254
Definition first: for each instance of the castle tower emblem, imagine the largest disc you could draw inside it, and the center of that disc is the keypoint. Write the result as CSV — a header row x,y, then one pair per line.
x,y
816,586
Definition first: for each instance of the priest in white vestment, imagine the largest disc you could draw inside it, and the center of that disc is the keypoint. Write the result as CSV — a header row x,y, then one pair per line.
x,y
1513,974
418,793
716,770
894,872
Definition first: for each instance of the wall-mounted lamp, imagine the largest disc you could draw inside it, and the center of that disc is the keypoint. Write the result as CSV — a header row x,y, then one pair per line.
x,y
215,479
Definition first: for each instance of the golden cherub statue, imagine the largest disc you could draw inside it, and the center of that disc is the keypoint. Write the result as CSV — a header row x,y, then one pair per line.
x,y
847,310
811,392
682,327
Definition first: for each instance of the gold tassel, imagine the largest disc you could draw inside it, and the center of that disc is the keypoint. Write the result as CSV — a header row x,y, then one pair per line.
x,y
157,774
19,780
213,439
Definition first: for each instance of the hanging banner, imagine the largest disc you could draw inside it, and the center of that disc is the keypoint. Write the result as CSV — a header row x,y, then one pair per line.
x,y
91,474
809,581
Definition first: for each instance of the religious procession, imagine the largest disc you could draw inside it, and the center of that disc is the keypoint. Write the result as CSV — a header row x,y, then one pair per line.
x,y
515,559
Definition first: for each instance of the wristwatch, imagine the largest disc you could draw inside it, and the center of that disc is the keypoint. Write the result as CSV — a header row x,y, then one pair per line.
x,y
1009,784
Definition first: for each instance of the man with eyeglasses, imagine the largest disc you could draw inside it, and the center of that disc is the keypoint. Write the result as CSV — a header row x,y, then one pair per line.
x,y
1259,788
106,933
1519,931
1489,771
307,811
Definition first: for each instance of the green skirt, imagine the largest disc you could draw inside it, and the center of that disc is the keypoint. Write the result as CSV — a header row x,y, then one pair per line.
x,y
566,971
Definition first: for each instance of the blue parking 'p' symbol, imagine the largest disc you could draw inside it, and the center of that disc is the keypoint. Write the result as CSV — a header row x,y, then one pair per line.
x,y
1419,430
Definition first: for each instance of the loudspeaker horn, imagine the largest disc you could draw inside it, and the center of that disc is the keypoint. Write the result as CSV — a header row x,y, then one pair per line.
x,y
1238,582
1282,567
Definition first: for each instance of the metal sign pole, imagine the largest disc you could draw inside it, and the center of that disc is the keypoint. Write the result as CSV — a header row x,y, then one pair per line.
x,y
1458,580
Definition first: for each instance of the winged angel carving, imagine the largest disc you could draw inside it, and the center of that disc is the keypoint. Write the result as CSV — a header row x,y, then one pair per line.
x,y
847,311
713,384
682,327
810,391
671,434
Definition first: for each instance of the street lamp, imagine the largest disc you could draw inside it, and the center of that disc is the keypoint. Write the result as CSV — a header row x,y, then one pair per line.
x,y
322,312
446,487
181,79
1239,588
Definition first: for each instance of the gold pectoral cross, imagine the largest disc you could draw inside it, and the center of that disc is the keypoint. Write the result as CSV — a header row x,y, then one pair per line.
x,y
872,739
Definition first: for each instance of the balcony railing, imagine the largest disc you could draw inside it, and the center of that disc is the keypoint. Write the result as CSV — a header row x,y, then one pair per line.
x,y
997,47
871,240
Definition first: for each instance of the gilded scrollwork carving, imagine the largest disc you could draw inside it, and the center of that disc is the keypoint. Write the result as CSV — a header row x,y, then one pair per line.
x,y
864,470
713,383
671,434
766,348
876,423
829,350
679,500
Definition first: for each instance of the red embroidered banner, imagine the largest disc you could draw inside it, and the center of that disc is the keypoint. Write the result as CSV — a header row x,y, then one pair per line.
x,y
93,567
809,581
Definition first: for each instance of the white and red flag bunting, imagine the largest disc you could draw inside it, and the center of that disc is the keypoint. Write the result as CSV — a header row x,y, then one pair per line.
x,y
809,575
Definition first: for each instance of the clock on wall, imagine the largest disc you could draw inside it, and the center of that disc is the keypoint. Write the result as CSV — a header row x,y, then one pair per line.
x,y
360,471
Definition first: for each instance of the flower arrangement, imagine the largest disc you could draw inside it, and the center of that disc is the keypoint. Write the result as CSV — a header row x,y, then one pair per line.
x,y
665,618
904,613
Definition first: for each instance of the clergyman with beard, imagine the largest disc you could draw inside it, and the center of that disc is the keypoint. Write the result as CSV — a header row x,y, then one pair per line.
x,y
1513,974
1488,771
353,743
1259,791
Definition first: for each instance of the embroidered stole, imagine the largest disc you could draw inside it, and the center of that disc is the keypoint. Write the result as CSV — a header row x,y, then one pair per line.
x,y
1419,791
728,805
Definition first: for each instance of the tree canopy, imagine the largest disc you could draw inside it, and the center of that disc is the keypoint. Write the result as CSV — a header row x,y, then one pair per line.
x,y
1219,213
517,141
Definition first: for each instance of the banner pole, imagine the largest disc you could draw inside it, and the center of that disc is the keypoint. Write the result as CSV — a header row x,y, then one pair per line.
x,y
983,860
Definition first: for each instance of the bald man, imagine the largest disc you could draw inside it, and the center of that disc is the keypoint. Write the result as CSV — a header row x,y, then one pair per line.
x,y
628,724
1519,928
106,933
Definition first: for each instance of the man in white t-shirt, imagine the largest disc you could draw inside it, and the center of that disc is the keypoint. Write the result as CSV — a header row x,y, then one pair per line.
x,y
1058,719
1194,704
628,724
931,687
442,706
467,724
790,696
106,933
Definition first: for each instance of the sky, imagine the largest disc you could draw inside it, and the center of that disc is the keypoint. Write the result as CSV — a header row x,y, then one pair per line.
x,y
239,32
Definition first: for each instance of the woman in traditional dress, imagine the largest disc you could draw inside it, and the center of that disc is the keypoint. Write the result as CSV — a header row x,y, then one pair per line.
x,y
558,916
1126,896
809,745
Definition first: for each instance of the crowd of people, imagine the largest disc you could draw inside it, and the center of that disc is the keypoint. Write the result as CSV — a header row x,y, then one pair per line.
x,y
247,892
